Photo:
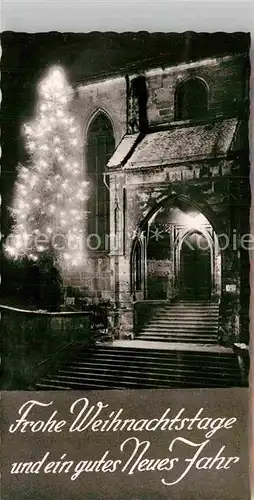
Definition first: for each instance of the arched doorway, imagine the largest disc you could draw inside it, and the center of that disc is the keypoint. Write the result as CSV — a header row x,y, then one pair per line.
x,y
138,267
181,258
195,267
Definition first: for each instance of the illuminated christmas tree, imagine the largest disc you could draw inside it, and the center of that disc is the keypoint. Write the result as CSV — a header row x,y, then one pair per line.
x,y
50,191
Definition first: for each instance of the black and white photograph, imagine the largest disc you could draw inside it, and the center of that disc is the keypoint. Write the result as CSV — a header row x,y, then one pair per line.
x,y
126,250
125,210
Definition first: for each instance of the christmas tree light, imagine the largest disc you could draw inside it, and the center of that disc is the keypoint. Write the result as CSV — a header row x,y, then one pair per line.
x,y
50,191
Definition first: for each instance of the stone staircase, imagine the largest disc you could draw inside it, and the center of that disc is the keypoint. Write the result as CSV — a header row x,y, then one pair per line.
x,y
112,367
194,322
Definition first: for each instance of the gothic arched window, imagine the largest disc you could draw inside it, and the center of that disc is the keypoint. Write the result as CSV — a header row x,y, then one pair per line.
x,y
191,100
99,148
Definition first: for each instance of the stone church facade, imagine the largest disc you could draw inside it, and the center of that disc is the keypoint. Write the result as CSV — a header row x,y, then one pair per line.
x,y
166,155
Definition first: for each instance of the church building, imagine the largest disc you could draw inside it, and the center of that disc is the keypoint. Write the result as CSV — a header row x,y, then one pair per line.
x,y
167,221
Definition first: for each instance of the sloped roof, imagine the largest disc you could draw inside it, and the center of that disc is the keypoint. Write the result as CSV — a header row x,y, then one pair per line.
x,y
178,144
184,143
122,151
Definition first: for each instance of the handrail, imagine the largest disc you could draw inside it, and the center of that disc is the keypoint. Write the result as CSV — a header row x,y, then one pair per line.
x,y
41,312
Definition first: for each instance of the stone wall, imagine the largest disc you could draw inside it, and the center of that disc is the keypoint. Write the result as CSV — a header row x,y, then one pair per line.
x,y
224,78
108,96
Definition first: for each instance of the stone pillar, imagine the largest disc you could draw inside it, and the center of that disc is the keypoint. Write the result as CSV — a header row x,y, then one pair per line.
x,y
119,259
126,319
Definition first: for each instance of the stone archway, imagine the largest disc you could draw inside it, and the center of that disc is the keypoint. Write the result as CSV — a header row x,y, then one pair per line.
x,y
167,263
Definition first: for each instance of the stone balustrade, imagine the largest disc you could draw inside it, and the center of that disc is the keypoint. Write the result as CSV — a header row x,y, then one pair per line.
x,y
32,341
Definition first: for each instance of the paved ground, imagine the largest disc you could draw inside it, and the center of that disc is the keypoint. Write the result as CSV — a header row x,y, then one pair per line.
x,y
145,344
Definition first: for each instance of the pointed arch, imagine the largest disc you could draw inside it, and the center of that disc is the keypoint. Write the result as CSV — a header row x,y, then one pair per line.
x,y
191,99
100,145
137,264
92,117
195,273
168,247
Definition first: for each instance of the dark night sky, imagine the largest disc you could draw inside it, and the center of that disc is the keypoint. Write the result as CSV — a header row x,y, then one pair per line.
x,y
26,56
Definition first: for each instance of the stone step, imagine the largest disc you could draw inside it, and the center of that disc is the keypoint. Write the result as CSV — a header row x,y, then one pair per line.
x,y
140,372
187,324
132,378
159,338
89,385
191,305
186,314
187,311
177,334
179,329
205,314
113,353
129,364
186,317
163,363
113,368
195,322
194,310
